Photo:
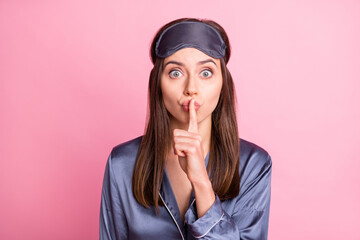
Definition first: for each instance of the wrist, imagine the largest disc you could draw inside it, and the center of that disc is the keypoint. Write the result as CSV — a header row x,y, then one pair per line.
x,y
204,190
201,184
200,177
204,195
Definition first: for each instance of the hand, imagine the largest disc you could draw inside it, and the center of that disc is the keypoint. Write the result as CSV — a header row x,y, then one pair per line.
x,y
188,146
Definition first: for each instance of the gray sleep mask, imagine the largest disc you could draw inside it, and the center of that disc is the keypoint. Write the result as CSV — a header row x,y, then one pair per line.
x,y
190,34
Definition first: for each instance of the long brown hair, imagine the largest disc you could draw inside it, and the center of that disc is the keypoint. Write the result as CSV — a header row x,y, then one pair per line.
x,y
223,163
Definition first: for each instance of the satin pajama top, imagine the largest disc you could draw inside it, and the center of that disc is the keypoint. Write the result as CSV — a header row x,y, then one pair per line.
x,y
243,217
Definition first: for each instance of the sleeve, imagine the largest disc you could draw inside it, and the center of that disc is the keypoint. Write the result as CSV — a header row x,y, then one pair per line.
x,y
113,223
250,218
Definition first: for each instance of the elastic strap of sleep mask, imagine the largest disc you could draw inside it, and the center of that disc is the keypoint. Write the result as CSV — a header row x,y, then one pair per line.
x,y
190,34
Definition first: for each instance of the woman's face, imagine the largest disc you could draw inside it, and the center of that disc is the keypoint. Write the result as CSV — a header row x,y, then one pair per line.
x,y
190,73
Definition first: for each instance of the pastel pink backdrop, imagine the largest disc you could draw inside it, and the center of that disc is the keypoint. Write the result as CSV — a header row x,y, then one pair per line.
x,y
73,84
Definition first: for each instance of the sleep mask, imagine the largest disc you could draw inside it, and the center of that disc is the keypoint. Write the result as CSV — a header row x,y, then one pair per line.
x,y
198,35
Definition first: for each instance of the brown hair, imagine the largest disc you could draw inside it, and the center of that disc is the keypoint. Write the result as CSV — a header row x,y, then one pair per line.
x,y
223,163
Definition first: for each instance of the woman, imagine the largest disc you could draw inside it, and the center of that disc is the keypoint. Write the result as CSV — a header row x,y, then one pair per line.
x,y
189,176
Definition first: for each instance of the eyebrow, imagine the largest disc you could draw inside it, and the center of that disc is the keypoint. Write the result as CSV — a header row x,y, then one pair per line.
x,y
181,64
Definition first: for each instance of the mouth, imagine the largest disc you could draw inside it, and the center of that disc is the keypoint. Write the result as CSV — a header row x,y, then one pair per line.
x,y
185,105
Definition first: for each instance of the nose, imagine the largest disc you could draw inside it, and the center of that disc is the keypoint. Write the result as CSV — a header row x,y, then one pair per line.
x,y
191,87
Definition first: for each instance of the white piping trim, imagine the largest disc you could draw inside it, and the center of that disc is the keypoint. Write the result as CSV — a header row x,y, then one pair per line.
x,y
192,202
210,227
172,217
189,208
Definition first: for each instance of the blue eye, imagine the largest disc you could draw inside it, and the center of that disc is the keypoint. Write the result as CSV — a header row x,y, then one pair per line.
x,y
208,73
175,73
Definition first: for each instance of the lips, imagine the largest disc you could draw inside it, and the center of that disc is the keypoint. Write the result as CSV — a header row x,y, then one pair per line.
x,y
185,105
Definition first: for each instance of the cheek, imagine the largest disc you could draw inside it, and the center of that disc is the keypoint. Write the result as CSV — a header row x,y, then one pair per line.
x,y
213,95
214,100
169,95
211,98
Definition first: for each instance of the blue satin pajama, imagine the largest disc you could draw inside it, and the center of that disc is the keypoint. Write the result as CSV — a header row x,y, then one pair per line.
x,y
243,217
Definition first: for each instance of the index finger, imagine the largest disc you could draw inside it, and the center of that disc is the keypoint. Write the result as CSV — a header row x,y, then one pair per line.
x,y
193,127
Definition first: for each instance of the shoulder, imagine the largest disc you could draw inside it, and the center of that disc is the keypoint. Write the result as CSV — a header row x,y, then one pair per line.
x,y
249,149
127,149
123,156
254,161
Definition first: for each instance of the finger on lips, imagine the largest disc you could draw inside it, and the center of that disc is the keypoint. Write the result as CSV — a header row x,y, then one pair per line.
x,y
186,140
193,127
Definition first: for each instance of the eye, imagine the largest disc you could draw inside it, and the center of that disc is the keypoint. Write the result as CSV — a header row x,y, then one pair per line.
x,y
175,73
206,73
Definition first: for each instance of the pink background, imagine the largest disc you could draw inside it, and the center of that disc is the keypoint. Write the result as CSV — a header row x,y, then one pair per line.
x,y
73,84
